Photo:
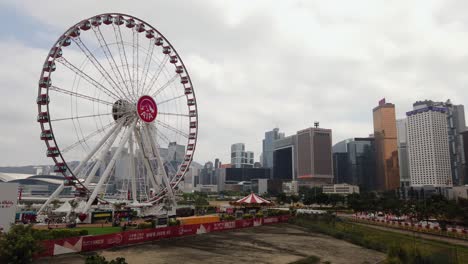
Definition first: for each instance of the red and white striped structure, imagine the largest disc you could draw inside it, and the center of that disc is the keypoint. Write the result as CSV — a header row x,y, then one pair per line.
x,y
253,199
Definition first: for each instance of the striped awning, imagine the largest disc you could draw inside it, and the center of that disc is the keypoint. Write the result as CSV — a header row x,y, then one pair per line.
x,y
252,199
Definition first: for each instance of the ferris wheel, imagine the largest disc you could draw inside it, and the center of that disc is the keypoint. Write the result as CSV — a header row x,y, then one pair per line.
x,y
114,96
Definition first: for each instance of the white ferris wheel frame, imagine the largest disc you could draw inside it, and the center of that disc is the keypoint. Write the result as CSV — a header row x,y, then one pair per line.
x,y
133,136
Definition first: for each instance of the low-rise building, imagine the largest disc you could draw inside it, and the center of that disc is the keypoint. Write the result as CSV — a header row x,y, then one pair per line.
x,y
344,189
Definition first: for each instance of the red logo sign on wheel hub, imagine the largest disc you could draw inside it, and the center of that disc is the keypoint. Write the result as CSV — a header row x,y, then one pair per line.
x,y
147,109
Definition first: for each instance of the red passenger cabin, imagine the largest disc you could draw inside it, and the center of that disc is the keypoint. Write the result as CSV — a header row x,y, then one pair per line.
x,y
179,69
119,20
166,50
140,28
49,66
47,135
191,102
190,147
42,99
80,192
193,124
56,52
60,167
53,152
130,23
96,21
184,80
150,34
86,25
107,20
74,33
159,41
174,59
45,82
43,117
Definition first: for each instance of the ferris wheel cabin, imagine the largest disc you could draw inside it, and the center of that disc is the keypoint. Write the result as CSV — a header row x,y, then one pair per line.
x,y
60,167
107,20
42,99
85,26
43,117
56,52
52,152
96,21
45,82
47,135
49,66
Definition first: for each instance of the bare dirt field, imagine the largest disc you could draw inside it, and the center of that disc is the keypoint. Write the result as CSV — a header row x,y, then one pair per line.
x,y
282,243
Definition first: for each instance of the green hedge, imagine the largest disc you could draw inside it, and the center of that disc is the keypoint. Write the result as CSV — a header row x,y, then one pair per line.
x,y
57,233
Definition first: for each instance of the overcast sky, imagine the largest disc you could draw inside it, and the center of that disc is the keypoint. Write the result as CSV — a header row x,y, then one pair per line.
x,y
256,65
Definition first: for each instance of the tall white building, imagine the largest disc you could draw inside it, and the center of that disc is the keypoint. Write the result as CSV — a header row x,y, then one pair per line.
x,y
428,146
241,158
402,141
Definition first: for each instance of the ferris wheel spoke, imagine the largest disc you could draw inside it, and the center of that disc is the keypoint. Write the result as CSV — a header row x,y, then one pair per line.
x,y
135,59
123,54
110,57
87,78
172,114
164,86
98,65
60,90
173,129
146,66
156,75
80,117
171,99
86,138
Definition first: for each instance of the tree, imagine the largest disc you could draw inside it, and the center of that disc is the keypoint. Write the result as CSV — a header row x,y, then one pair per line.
x,y
294,198
281,198
334,199
19,245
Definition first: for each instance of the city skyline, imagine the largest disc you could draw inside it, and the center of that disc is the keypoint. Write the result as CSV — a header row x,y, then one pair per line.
x,y
330,82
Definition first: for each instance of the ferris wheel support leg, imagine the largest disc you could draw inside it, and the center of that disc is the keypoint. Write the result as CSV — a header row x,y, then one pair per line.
x,y
154,180
80,166
96,148
109,167
161,169
132,169
52,197
101,157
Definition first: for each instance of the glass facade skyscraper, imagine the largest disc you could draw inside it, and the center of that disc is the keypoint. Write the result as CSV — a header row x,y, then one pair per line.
x,y
385,134
268,147
354,162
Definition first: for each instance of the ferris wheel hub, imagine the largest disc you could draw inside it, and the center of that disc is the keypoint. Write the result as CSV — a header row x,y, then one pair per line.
x,y
122,108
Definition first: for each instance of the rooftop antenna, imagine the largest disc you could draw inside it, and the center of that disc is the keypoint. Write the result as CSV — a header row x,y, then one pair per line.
x,y
316,124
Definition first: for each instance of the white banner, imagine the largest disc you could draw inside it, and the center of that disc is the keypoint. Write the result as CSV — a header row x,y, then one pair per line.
x,y
8,203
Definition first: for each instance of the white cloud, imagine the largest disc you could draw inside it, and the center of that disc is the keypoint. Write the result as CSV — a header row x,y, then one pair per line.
x,y
260,64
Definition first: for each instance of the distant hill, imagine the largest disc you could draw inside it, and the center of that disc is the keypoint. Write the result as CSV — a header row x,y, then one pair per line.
x,y
23,169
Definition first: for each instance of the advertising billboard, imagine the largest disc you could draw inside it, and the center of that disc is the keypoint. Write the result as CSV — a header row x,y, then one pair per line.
x,y
8,203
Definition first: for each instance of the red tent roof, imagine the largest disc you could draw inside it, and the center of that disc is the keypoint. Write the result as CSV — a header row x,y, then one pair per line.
x,y
252,199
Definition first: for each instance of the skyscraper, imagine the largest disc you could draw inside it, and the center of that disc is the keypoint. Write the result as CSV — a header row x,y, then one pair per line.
x,y
403,161
428,146
354,162
455,126
241,158
385,134
314,157
268,146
